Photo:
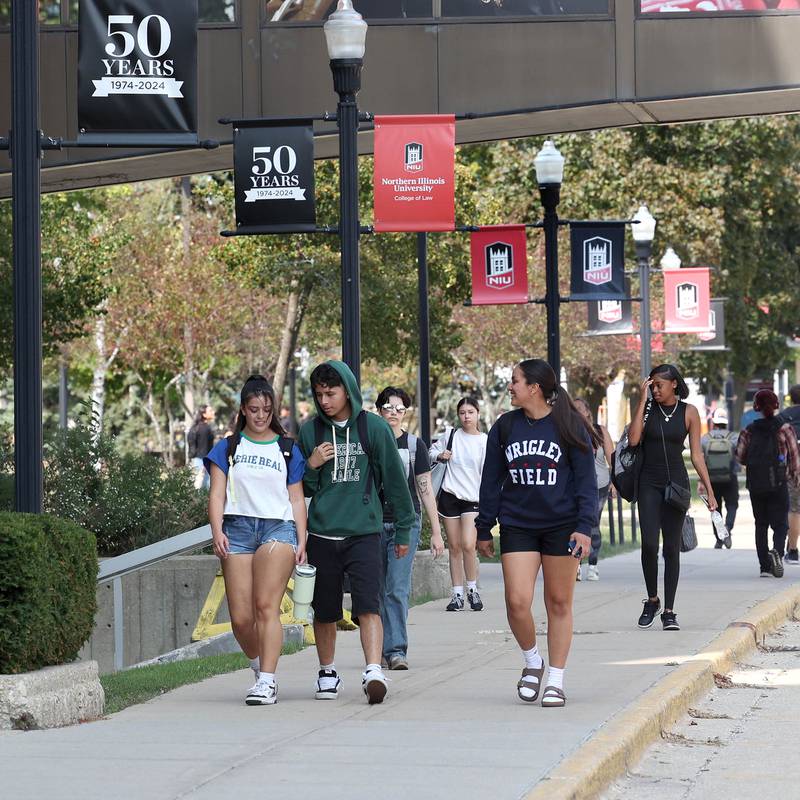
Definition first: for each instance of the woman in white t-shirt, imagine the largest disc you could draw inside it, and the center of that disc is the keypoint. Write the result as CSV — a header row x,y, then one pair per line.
x,y
257,514
458,499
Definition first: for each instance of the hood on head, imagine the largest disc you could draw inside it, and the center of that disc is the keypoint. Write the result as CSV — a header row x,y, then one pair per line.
x,y
350,385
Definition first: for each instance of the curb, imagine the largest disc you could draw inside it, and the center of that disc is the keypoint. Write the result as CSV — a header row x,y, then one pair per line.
x,y
620,742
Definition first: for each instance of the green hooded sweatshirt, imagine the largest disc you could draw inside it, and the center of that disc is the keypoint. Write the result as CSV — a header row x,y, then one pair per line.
x,y
336,489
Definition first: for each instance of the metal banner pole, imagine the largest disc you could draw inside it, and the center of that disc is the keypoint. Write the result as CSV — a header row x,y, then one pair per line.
x,y
424,341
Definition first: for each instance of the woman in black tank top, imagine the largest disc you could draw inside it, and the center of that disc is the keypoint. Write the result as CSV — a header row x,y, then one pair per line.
x,y
662,435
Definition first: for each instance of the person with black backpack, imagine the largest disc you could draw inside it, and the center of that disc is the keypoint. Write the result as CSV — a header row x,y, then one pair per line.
x,y
719,451
792,416
352,458
257,513
768,449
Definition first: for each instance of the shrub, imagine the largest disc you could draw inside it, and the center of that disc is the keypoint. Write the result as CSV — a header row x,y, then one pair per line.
x,y
47,590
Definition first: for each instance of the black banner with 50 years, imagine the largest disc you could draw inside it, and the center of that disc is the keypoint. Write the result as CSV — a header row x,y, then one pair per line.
x,y
137,71
274,176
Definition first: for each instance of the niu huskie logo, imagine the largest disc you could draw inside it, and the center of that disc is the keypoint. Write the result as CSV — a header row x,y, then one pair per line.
x,y
597,260
412,161
499,265
609,311
711,333
687,301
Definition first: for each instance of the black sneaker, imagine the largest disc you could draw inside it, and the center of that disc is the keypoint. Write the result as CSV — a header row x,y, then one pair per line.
x,y
718,545
456,603
328,684
792,558
651,608
777,563
670,621
474,600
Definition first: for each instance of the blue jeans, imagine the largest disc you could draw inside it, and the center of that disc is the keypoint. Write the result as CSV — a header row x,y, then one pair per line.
x,y
397,589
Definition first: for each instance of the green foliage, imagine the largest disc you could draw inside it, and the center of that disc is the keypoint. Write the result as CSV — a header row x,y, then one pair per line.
x,y
47,590
127,500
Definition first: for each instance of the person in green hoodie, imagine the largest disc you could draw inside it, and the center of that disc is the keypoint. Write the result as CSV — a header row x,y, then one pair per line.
x,y
344,477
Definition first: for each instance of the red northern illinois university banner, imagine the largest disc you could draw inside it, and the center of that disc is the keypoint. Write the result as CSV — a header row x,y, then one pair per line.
x,y
686,300
499,265
415,173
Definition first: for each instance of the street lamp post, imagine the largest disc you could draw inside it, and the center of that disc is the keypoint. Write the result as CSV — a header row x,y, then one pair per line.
x,y
549,164
345,35
644,229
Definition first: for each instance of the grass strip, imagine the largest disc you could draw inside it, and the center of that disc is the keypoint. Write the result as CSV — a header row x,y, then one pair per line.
x,y
132,686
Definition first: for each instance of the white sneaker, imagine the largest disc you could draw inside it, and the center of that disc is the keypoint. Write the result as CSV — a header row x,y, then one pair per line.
x,y
328,684
374,685
579,576
593,574
264,693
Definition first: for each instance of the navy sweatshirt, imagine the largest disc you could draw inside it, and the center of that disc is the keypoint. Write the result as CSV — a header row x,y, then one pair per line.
x,y
536,483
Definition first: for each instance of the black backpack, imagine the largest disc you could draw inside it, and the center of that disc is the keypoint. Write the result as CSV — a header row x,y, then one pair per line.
x,y
284,442
363,435
766,472
792,416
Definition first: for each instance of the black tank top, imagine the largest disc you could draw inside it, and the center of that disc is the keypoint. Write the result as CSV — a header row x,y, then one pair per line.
x,y
654,469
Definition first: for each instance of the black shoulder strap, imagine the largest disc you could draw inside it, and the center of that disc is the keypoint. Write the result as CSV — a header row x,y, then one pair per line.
x,y
450,439
363,435
319,431
232,443
286,443
505,424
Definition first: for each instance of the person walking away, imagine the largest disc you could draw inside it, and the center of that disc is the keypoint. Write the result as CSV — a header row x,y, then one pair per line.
x,y
257,514
458,500
719,452
539,483
768,449
602,468
661,424
392,404
351,456
792,416
200,440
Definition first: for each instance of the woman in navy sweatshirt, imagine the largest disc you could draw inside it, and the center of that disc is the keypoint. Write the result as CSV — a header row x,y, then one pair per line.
x,y
539,483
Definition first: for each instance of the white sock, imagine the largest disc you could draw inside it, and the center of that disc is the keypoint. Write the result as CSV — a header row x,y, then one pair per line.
x,y
255,664
373,667
459,590
269,677
532,658
472,586
555,677
330,667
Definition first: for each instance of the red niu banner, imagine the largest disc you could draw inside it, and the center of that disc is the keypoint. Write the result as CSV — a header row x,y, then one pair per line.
x,y
414,176
686,300
499,265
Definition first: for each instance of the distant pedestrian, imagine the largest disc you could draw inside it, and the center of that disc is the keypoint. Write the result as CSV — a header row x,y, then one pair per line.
x,y
719,452
258,521
602,468
792,416
200,440
768,448
539,483
463,450
661,424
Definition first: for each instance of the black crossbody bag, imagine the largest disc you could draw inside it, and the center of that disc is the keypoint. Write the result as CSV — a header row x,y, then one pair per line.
x,y
675,495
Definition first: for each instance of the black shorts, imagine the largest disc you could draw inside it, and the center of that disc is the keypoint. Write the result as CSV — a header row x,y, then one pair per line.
x,y
360,558
552,542
451,507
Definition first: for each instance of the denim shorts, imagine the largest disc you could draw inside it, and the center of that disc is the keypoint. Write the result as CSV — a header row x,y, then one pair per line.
x,y
247,534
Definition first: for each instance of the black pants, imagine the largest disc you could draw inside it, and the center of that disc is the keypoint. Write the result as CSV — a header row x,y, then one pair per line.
x,y
727,494
771,510
656,517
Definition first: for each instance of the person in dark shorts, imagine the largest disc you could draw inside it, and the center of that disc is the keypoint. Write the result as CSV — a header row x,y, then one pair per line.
x,y
792,416
350,456
539,483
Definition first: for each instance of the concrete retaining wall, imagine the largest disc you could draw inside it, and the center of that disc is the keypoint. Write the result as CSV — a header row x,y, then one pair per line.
x,y
161,605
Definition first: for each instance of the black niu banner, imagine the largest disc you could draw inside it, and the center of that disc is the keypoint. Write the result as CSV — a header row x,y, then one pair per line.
x,y
137,71
609,316
715,338
274,176
598,264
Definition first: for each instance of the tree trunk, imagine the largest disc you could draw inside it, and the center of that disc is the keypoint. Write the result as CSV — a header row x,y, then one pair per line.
x,y
286,350
739,398
150,410
98,393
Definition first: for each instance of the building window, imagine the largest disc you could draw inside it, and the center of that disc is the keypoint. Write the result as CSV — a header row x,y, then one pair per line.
x,y
521,8
318,10
216,11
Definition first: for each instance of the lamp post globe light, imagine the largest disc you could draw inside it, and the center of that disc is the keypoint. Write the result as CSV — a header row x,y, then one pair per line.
x,y
644,229
670,260
549,165
345,35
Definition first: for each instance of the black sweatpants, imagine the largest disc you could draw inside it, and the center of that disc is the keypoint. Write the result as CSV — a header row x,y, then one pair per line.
x,y
727,494
656,517
771,510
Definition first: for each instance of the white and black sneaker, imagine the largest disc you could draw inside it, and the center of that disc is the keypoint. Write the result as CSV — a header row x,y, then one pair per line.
x,y
474,600
669,621
264,693
777,563
648,615
328,683
373,682
456,603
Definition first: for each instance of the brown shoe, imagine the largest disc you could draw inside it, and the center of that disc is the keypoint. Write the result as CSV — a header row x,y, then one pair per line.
x,y
525,682
553,697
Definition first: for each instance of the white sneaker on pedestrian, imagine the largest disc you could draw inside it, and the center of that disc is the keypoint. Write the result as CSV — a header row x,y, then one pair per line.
x,y
374,684
264,693
592,573
328,683
579,576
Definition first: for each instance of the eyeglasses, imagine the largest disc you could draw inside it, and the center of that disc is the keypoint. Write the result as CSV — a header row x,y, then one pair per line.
x,y
398,409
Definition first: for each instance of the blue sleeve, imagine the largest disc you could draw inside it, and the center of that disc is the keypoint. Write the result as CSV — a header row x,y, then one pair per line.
x,y
495,472
297,466
585,478
218,455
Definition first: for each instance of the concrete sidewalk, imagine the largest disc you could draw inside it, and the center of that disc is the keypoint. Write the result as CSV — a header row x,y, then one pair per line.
x,y
451,726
